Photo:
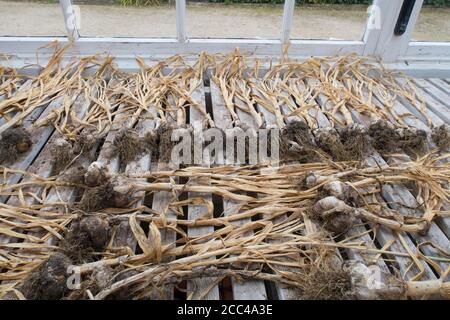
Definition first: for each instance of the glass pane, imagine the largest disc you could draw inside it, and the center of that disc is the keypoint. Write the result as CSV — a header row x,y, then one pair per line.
x,y
329,21
114,20
214,20
433,25
31,19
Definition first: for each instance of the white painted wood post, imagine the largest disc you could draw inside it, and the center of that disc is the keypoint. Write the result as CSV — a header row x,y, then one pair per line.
x,y
70,19
382,42
181,20
288,15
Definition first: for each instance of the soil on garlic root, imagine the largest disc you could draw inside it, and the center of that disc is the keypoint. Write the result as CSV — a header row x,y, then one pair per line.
x,y
325,283
128,145
74,174
297,143
47,282
441,137
13,143
355,141
64,151
103,196
329,140
384,138
414,141
85,237
165,143
61,152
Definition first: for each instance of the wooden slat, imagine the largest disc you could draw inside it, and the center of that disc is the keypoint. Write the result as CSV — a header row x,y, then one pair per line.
x,y
247,290
283,292
200,286
25,86
124,235
430,87
161,203
433,105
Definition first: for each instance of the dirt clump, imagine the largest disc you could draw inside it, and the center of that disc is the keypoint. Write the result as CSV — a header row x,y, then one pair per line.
x,y
297,143
107,195
74,174
165,143
62,154
325,282
65,151
85,237
338,223
329,140
128,145
328,285
86,141
355,141
13,143
413,141
48,281
384,138
151,142
441,137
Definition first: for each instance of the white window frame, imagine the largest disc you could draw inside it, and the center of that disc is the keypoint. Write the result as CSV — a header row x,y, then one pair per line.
x,y
416,58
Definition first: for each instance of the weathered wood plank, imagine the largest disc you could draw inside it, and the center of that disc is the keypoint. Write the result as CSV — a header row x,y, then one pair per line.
x,y
124,235
200,286
434,105
432,88
283,292
251,290
22,86
161,203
